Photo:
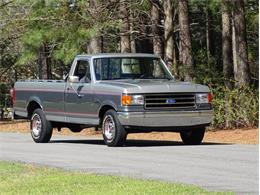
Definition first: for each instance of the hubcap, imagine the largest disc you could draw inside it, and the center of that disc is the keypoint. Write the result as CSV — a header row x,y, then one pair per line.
x,y
109,127
36,125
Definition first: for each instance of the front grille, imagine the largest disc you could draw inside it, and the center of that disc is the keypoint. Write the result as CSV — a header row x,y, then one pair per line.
x,y
169,101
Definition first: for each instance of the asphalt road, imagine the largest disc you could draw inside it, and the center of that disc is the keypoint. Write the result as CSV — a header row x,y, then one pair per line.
x,y
217,167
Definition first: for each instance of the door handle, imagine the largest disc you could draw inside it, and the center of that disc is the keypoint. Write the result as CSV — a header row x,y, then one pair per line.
x,y
80,95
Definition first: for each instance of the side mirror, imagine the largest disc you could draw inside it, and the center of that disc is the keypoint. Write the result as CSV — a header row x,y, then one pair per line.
x,y
73,79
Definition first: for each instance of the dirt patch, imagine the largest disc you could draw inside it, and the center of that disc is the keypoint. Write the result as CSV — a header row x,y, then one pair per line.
x,y
237,136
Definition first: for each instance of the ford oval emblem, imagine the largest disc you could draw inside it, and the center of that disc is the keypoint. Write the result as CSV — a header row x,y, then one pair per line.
x,y
170,101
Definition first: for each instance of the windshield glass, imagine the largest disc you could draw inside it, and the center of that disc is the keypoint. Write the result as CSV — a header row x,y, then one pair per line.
x,y
130,68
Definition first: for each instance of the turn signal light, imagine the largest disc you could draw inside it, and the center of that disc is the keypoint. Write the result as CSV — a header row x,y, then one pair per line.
x,y
210,97
126,100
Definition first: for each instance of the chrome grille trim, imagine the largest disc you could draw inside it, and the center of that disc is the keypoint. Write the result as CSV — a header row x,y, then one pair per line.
x,y
170,101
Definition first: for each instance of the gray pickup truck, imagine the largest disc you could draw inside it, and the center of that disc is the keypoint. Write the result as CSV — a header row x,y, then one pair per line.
x,y
121,93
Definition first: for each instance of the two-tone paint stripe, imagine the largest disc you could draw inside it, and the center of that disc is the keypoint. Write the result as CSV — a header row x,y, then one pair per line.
x,y
71,113
51,111
69,91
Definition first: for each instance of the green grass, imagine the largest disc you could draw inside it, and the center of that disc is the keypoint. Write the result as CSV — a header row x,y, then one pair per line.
x,y
18,178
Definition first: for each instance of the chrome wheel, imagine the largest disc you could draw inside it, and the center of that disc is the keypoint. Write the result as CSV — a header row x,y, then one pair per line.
x,y
109,127
113,132
36,125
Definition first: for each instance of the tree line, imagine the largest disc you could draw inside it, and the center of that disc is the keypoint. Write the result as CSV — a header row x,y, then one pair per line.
x,y
214,42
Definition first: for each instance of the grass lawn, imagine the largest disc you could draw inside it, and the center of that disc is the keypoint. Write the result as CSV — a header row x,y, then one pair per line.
x,y
18,178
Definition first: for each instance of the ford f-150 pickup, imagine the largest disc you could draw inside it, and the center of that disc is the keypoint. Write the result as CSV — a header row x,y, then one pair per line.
x,y
121,93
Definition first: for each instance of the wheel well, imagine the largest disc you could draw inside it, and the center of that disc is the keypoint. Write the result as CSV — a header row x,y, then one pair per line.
x,y
103,110
31,107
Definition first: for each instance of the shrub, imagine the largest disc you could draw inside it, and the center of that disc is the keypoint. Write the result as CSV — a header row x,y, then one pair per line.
x,y
235,108
5,99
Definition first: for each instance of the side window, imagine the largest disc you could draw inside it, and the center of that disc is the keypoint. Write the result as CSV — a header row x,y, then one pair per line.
x,y
83,71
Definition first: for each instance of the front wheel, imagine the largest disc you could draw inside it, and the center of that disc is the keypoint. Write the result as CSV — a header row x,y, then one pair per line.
x,y
114,133
41,128
193,137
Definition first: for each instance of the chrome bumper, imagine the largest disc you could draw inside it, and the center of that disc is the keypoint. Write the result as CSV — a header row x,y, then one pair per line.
x,y
166,118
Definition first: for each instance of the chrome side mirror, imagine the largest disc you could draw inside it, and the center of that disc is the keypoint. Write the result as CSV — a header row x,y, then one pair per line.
x,y
73,79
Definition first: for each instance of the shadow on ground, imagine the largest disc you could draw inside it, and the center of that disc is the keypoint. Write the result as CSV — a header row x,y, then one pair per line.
x,y
133,143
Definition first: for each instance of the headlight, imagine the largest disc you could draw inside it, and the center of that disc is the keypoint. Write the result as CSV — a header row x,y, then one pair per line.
x,y
203,98
128,100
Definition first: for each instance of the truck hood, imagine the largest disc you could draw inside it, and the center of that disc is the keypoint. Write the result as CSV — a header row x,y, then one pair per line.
x,y
155,86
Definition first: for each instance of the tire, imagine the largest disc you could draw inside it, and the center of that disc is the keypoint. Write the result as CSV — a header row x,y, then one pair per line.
x,y
193,137
41,128
113,132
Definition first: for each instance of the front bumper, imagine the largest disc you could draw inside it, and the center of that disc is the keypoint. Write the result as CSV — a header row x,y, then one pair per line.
x,y
166,118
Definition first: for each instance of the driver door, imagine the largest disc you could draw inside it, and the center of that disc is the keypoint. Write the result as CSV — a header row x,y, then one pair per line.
x,y
78,96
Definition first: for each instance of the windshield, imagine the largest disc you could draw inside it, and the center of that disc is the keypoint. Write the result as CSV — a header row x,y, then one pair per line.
x,y
130,68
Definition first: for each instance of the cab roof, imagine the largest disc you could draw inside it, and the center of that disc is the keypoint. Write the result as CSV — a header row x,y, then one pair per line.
x,y
113,55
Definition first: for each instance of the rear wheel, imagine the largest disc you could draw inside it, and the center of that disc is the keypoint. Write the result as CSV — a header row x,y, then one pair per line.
x,y
114,133
193,137
41,128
